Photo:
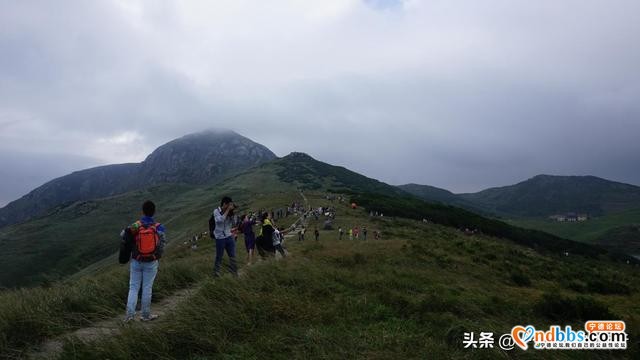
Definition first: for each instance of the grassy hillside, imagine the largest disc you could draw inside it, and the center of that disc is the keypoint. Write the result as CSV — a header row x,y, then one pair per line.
x,y
464,220
310,174
437,195
411,294
529,204
73,237
624,237
546,195
592,231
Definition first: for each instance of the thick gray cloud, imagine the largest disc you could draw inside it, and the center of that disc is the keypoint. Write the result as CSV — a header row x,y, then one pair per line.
x,y
458,94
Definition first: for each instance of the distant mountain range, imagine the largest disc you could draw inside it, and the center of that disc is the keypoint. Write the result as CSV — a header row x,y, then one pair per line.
x,y
541,196
73,221
200,158
71,237
210,156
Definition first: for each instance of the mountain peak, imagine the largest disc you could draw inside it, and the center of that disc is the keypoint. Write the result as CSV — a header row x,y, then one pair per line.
x,y
203,157
299,156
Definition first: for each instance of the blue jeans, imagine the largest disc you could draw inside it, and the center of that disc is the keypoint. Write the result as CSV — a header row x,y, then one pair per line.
x,y
141,274
230,245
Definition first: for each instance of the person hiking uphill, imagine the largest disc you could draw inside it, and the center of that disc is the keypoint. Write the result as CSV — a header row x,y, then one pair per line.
x,y
146,240
223,216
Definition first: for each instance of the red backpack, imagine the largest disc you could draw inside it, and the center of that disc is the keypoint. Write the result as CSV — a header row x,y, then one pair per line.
x,y
147,242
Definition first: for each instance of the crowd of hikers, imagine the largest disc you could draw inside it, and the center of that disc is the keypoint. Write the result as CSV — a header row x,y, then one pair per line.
x,y
143,242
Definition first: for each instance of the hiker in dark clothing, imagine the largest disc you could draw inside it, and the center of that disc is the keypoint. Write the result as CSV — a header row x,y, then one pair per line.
x,y
264,242
249,236
317,234
364,233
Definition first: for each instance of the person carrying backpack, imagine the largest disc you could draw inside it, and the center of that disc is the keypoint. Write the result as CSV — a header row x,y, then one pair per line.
x,y
223,220
264,242
146,240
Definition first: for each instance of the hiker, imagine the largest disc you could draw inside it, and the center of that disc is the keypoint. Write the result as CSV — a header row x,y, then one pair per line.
x,y
147,240
264,241
249,236
317,234
350,234
340,232
356,233
364,233
278,238
304,230
194,242
223,216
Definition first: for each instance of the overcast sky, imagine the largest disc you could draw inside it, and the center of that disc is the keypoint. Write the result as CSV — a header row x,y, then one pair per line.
x,y
462,95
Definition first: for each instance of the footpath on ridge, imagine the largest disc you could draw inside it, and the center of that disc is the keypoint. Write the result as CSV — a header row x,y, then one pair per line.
x,y
51,349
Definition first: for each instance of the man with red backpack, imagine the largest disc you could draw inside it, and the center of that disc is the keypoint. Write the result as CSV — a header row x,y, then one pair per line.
x,y
146,240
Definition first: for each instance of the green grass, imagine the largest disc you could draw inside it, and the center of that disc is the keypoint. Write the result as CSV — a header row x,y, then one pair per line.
x,y
411,295
409,207
72,238
590,231
75,237
29,315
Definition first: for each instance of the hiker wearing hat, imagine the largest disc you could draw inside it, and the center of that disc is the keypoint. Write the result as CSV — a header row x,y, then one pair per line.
x,y
223,216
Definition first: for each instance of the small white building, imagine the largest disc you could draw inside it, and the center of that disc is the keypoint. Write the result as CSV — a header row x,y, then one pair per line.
x,y
559,218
